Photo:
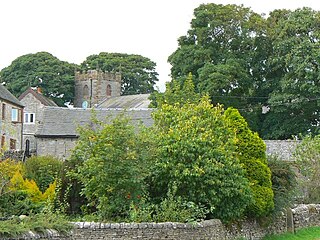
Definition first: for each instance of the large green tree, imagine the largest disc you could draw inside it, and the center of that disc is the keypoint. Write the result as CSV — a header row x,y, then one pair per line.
x,y
294,74
246,61
42,69
138,73
225,50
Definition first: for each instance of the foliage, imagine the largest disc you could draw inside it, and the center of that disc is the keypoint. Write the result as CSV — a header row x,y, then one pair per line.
x,y
307,157
196,161
174,209
44,170
284,182
246,61
36,223
176,93
225,50
251,152
293,73
310,233
54,77
137,72
20,195
8,168
113,163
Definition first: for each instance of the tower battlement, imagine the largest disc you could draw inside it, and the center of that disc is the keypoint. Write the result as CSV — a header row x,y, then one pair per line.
x,y
94,86
97,74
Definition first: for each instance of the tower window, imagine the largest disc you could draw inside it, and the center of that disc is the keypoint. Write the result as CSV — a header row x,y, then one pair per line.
x,y
109,90
85,91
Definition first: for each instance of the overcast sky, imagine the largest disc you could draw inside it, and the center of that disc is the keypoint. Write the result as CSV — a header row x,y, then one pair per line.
x,y
74,29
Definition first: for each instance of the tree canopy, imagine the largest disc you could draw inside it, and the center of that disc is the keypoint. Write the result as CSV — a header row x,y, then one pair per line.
x,y
137,72
42,69
246,61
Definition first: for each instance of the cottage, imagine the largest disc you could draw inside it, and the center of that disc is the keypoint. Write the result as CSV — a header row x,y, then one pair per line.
x,y
34,103
11,121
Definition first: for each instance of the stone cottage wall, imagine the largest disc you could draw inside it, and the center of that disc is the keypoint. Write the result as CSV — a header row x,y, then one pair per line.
x,y
302,215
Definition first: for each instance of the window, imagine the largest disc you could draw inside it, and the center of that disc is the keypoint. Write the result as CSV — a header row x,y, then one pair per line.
x,y
13,144
109,90
85,91
3,141
15,115
3,111
29,118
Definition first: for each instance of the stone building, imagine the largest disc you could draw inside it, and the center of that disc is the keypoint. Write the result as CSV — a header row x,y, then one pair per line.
x,y
34,103
57,134
11,121
93,86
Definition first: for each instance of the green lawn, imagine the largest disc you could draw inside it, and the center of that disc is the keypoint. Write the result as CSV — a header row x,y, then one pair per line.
x,y
312,233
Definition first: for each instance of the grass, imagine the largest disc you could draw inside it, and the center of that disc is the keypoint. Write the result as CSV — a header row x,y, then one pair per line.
x,y
311,233
37,223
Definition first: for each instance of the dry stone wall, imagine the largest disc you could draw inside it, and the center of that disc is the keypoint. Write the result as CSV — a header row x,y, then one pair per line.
x,y
302,216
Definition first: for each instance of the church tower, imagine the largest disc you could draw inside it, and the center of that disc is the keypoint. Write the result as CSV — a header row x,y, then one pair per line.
x,y
93,86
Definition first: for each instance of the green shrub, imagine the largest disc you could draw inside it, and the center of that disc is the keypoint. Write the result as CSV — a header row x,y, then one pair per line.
x,y
44,170
284,182
307,157
251,151
112,161
196,160
36,223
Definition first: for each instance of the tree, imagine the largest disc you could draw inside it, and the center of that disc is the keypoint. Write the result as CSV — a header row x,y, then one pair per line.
x,y
54,77
112,163
196,159
137,72
226,49
251,151
294,73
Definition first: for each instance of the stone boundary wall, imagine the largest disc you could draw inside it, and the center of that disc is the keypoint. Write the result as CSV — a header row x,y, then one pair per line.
x,y
299,217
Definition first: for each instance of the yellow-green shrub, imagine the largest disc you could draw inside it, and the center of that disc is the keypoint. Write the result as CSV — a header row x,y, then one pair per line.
x,y
251,151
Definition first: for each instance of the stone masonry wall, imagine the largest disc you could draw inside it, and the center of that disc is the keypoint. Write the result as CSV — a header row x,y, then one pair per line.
x,y
302,215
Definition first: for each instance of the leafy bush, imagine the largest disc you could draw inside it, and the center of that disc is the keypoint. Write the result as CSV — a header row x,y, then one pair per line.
x,y
196,160
284,182
307,157
44,170
19,195
112,163
251,152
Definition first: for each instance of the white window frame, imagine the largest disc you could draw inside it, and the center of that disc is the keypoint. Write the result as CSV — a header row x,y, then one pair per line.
x,y
14,115
26,118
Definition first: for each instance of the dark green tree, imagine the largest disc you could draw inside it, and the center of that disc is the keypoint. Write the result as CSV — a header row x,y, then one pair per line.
x,y
294,73
225,50
54,77
138,72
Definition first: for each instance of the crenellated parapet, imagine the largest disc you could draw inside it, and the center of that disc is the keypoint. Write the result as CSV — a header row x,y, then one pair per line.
x,y
98,75
94,86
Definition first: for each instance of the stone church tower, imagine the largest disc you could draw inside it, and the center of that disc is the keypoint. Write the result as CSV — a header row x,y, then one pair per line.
x,y
93,86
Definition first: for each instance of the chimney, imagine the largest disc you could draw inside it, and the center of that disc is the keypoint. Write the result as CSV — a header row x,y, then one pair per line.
x,y
39,90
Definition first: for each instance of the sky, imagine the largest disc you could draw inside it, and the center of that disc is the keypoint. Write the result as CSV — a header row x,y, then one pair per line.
x,y
72,30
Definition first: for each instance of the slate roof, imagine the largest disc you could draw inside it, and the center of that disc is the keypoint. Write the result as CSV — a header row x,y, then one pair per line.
x,y
7,96
126,102
63,122
44,100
